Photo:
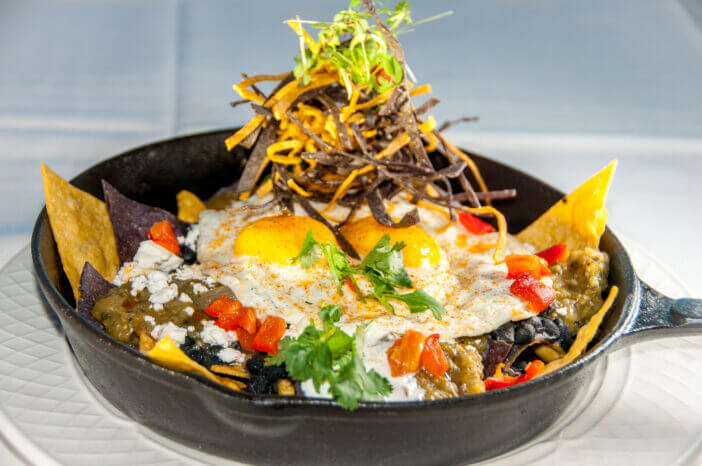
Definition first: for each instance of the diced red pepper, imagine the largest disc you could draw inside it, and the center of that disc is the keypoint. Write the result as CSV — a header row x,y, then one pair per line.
x,y
557,253
231,315
538,295
433,358
243,318
529,264
267,338
502,381
404,356
474,225
223,305
162,234
245,339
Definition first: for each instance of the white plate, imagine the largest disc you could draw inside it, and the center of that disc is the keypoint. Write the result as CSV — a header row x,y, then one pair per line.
x,y
642,408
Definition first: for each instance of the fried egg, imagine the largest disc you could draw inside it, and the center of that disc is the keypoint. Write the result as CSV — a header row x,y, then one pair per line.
x,y
250,246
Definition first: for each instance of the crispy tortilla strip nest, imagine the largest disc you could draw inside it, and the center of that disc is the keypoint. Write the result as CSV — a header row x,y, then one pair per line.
x,y
81,228
167,354
585,335
577,220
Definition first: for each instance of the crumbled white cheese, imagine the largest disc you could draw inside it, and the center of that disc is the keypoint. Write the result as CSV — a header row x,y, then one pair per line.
x,y
189,310
230,355
190,239
161,291
213,335
185,298
191,328
138,284
151,255
176,333
149,319
199,288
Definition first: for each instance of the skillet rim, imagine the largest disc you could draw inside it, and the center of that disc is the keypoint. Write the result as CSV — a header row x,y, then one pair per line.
x,y
56,301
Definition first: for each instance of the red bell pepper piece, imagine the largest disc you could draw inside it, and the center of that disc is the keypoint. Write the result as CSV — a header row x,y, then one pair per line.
x,y
162,234
404,356
526,264
557,253
223,305
244,318
538,295
474,224
231,315
267,338
433,358
502,381
245,339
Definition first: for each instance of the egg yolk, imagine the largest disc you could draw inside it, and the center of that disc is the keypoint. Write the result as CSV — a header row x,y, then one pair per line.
x,y
363,234
279,239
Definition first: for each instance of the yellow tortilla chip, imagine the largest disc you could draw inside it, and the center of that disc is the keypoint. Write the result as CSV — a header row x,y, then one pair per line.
x,y
81,227
167,354
577,220
585,335
189,206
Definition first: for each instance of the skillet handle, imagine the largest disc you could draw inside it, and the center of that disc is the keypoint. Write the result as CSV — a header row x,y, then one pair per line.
x,y
660,316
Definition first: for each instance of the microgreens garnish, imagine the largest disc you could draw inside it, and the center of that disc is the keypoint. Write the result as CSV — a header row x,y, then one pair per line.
x,y
330,355
355,48
383,267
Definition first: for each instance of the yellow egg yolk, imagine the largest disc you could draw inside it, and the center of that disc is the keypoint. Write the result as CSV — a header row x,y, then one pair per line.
x,y
363,234
279,239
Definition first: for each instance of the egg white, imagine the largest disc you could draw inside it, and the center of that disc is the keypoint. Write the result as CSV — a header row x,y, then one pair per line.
x,y
471,287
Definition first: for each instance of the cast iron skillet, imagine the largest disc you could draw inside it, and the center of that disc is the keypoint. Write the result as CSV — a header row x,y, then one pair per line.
x,y
270,429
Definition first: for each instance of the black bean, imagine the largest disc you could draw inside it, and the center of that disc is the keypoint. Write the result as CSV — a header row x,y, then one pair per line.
x,y
254,365
565,339
524,334
259,385
520,365
551,329
189,256
273,373
204,355
535,321
505,333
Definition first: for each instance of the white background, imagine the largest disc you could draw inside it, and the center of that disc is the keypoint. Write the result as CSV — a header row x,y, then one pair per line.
x,y
561,87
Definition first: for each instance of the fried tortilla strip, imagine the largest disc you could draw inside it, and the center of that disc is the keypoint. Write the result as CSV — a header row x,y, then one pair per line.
x,y
577,220
167,354
585,335
81,227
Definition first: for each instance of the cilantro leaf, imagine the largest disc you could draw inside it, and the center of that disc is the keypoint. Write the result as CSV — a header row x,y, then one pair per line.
x,y
334,357
309,252
386,261
420,301
330,314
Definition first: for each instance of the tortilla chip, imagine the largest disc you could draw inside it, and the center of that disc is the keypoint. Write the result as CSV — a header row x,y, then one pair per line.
x,y
577,220
131,221
189,206
585,335
92,286
167,354
81,228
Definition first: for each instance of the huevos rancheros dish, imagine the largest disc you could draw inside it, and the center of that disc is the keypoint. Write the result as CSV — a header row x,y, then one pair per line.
x,y
355,258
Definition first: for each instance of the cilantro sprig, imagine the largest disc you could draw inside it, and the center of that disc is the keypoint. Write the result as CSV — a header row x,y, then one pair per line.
x,y
330,355
383,267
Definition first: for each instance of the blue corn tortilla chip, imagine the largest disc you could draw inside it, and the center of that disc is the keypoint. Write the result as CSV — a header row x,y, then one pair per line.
x,y
92,286
131,220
